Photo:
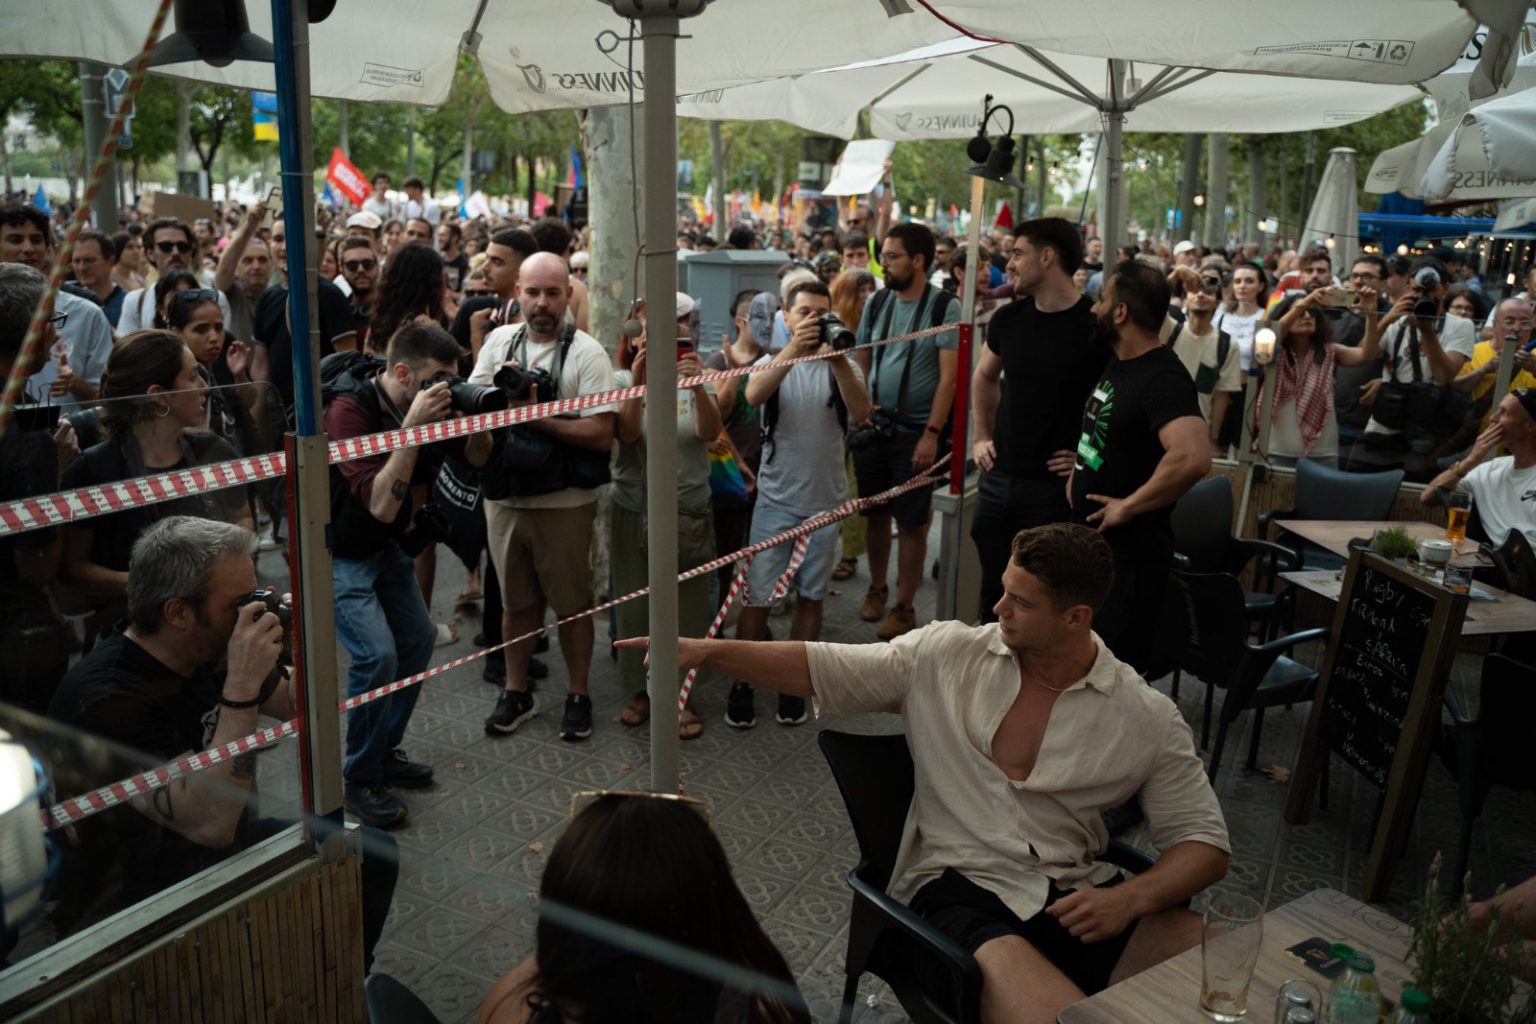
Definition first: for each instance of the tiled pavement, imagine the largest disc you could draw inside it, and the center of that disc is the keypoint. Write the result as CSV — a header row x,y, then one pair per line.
x,y
475,845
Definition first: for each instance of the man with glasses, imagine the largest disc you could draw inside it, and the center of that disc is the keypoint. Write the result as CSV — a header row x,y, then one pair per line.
x,y
93,260
360,268
170,246
912,385
1349,329
69,370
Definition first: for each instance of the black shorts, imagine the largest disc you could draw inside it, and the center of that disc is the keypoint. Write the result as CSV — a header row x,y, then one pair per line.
x,y
973,916
889,464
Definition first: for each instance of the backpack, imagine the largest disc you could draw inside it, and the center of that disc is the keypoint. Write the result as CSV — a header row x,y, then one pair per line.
x,y
350,373
1223,347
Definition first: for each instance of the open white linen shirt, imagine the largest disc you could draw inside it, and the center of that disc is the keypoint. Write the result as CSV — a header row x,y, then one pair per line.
x,y
1110,737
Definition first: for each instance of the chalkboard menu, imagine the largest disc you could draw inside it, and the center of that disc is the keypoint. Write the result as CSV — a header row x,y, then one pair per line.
x,y
1377,704
1376,658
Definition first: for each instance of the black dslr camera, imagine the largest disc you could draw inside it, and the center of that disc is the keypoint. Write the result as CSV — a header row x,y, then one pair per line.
x,y
882,427
272,601
468,398
518,382
431,526
1426,307
835,333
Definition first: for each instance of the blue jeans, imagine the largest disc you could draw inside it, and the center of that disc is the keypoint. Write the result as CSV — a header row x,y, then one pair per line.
x,y
383,623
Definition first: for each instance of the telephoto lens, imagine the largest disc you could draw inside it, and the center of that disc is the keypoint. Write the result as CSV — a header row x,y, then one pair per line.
x,y
471,399
835,333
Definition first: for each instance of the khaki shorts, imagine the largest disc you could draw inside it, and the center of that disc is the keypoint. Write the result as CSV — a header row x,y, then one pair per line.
x,y
542,555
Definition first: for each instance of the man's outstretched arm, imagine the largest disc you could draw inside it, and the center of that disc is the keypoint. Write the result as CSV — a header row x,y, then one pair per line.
x,y
779,665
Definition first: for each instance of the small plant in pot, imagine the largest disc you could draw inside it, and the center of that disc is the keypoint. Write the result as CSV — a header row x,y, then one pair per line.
x,y
1465,959
1394,543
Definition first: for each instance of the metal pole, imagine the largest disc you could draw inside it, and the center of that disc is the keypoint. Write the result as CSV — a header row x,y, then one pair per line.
x,y
717,173
410,143
93,109
342,133
1216,195
659,37
308,470
1112,229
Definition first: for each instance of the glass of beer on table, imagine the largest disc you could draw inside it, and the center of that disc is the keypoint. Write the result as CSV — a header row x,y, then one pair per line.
x,y
1230,936
1459,510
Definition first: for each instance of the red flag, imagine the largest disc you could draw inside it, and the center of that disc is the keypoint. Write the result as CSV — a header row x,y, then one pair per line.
x,y
348,180
1004,218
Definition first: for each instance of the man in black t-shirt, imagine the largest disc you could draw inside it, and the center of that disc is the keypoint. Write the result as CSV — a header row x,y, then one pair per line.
x,y
153,687
1039,366
1143,444
272,355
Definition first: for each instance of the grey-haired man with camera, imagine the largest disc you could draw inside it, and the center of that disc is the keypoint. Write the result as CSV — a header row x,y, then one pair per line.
x,y
806,409
197,663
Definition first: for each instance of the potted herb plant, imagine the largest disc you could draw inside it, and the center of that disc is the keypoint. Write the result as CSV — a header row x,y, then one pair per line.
x,y
1465,961
1393,542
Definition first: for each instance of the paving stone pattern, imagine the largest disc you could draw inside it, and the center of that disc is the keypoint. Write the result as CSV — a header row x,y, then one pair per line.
x,y
475,844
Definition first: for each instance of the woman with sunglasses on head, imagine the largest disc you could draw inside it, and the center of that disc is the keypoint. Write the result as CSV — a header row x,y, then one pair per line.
x,y
171,282
646,863
154,407
1303,423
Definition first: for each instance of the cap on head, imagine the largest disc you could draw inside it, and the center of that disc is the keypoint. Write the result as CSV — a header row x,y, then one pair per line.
x,y
1183,247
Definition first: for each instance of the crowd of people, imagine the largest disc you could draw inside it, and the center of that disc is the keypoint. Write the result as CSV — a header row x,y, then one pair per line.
x,y
1102,391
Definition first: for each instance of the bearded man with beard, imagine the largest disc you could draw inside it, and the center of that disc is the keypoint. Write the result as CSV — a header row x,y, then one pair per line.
x,y
1143,444
912,385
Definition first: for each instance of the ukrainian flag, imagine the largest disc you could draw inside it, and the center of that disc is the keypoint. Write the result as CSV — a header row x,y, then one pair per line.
x,y
264,116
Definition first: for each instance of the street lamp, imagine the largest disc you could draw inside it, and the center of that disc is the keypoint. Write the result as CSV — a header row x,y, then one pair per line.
x,y
215,31
994,161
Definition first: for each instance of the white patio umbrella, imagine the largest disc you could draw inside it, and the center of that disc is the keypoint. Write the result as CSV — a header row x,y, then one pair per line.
x,y
1333,219
1492,148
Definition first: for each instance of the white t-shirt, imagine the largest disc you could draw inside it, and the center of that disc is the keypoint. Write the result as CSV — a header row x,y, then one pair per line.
x,y
426,210
802,470
85,342
587,370
1198,353
139,310
1457,336
1242,329
1505,498
379,206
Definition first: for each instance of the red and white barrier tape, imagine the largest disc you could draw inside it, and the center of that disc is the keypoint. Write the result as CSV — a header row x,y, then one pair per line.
x,y
738,581
46,510
78,808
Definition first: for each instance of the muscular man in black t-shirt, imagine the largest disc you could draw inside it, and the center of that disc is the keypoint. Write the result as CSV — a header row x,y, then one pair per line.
x,y
1143,444
1039,365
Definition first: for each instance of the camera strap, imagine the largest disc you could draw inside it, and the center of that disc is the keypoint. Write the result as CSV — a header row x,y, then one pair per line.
x,y
880,353
1411,329
521,346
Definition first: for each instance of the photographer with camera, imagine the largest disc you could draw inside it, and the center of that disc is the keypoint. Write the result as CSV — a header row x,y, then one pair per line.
x,y
541,486
379,523
912,385
1413,405
806,409
158,686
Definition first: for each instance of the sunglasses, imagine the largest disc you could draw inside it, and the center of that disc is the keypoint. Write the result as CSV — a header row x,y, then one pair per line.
x,y
584,797
354,266
1211,285
169,247
195,295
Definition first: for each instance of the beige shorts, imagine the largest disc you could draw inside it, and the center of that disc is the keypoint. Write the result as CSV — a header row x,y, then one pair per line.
x,y
542,555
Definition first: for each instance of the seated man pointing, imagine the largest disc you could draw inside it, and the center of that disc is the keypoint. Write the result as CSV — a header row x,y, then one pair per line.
x,y
1000,844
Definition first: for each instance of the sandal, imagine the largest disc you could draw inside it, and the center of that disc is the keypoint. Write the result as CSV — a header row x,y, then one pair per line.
x,y
469,596
637,712
845,569
447,633
688,725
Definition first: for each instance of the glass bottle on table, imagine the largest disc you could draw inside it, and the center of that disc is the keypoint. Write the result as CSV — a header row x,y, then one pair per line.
x,y
1355,997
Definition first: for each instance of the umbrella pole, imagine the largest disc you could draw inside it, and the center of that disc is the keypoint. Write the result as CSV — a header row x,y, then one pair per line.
x,y
308,475
659,37
1112,230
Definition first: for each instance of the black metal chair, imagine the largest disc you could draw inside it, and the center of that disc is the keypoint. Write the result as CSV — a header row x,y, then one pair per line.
x,y
885,938
1491,749
390,1002
1326,493
1514,570
1202,534
1254,677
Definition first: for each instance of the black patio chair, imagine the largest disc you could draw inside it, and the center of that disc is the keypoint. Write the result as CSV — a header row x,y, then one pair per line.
x,y
885,938
1254,676
390,1002
1490,749
1514,570
1326,493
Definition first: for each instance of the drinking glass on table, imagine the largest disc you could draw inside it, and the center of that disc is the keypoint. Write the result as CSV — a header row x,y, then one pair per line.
x,y
1229,948
1459,506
